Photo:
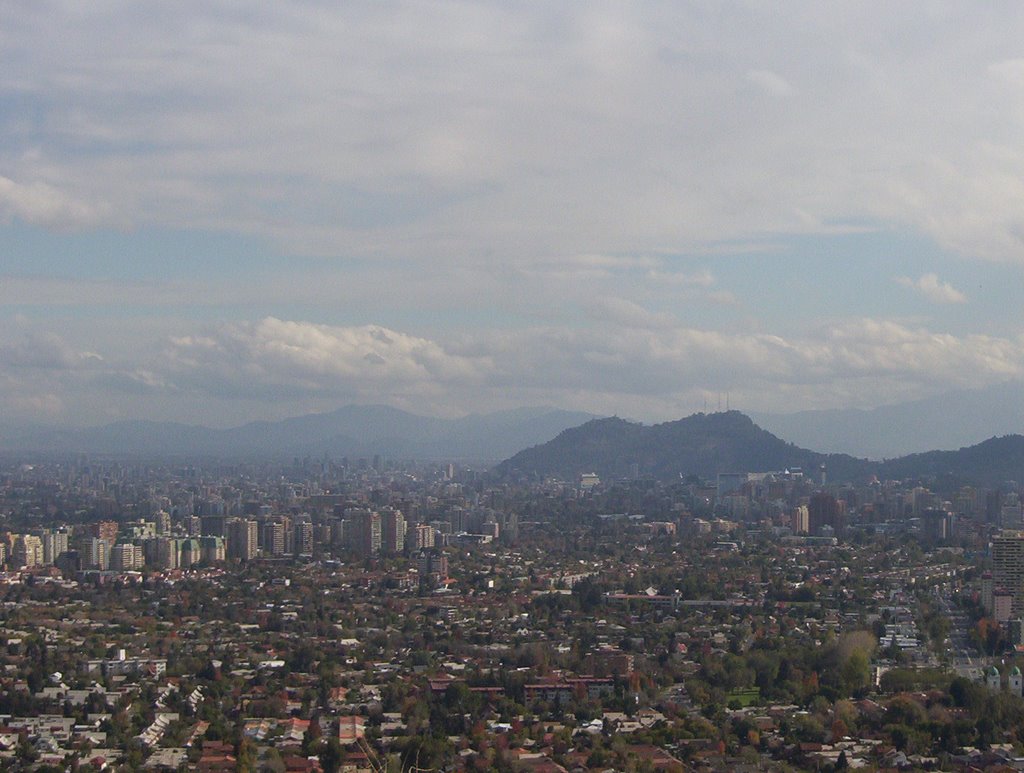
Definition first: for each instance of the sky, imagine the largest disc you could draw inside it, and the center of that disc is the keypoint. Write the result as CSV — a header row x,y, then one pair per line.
x,y
218,212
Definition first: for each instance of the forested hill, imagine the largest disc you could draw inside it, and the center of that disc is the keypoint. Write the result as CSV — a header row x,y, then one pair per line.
x,y
702,444
992,462
707,444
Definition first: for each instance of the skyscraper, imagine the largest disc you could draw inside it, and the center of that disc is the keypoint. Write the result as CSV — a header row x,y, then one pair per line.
x,y
54,544
242,539
273,538
1008,566
824,510
363,531
304,538
393,530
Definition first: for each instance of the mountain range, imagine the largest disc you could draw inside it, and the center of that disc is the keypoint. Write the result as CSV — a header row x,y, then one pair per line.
x,y
358,431
707,444
947,421
565,444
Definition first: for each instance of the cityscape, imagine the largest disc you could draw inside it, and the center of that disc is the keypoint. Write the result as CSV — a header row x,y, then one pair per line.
x,y
433,385
370,614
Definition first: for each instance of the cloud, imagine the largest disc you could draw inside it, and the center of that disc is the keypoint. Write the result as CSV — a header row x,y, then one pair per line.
x,y
627,314
933,289
499,133
630,355
274,357
680,279
1009,70
45,351
626,359
772,83
40,204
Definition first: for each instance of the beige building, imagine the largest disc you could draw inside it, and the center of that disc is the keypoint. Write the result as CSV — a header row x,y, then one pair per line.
x,y
1008,567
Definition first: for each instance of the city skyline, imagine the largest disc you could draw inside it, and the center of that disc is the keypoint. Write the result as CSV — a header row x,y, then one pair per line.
x,y
213,215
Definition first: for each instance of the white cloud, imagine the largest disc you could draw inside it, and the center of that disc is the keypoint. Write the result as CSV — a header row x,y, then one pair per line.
x,y
627,314
932,288
627,360
772,83
485,133
45,351
40,204
1008,70
274,356
634,357
485,164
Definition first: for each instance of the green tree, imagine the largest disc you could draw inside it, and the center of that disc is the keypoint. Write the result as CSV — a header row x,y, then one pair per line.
x,y
331,755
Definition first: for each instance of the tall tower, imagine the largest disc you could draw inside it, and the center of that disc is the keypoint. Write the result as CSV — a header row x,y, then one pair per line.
x,y
363,531
824,510
1008,566
393,530
243,539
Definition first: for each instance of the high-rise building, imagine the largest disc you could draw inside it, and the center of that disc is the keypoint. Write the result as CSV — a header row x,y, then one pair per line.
x,y
1008,566
936,524
363,531
422,537
54,544
273,538
242,539
163,522
213,526
393,529
433,563
1011,514
801,520
303,538
99,554
824,510
189,553
168,553
105,530
28,550
212,549
126,557
337,533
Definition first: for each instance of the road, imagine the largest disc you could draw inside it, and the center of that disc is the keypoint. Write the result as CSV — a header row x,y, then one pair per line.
x,y
964,656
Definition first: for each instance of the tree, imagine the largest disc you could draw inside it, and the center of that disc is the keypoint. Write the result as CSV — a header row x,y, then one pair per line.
x,y
331,756
856,672
245,758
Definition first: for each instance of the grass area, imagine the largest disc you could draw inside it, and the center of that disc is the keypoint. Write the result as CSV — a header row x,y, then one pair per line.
x,y
743,697
905,679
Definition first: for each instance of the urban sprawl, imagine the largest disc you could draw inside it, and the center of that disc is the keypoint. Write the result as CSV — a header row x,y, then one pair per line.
x,y
336,615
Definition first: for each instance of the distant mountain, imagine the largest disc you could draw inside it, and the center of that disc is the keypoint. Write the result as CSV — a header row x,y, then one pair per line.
x,y
707,444
991,462
702,444
949,421
354,430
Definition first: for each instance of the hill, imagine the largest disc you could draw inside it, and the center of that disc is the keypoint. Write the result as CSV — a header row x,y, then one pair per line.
x,y
707,444
702,444
991,462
